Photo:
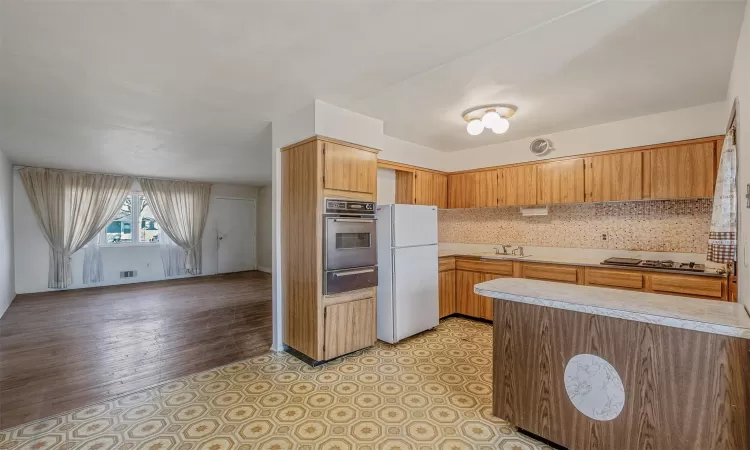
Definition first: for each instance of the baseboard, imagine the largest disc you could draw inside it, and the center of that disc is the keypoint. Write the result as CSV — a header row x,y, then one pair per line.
x,y
264,269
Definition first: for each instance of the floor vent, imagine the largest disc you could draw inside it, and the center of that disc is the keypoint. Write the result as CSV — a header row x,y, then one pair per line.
x,y
128,274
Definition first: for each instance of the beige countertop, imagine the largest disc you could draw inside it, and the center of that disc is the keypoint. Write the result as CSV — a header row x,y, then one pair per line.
x,y
578,257
724,318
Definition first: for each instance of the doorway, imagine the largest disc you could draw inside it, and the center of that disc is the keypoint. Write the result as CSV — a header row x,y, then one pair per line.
x,y
236,226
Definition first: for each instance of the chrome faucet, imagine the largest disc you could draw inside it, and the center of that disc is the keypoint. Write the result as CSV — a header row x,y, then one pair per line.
x,y
505,250
519,250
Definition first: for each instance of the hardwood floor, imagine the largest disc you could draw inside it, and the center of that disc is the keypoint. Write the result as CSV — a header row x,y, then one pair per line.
x,y
67,349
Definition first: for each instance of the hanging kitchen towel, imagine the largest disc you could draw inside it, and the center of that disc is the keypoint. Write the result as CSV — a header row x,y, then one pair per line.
x,y
722,236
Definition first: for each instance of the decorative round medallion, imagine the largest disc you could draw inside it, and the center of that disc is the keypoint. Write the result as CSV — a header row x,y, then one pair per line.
x,y
594,387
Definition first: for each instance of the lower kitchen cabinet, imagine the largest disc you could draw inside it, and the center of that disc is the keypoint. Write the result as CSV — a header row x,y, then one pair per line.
x,y
458,276
350,326
447,293
467,302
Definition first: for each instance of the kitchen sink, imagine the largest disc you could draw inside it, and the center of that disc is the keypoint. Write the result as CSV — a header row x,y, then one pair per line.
x,y
500,256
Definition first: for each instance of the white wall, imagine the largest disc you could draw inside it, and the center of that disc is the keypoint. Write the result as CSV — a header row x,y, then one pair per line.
x,y
32,255
689,123
739,87
7,277
264,229
386,186
405,152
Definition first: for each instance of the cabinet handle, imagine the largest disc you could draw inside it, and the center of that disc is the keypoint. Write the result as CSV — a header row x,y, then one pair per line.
x,y
355,220
353,272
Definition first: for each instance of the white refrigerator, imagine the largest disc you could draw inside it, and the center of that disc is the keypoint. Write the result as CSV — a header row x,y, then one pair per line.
x,y
407,270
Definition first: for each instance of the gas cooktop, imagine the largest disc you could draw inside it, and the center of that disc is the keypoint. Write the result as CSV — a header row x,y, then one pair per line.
x,y
655,264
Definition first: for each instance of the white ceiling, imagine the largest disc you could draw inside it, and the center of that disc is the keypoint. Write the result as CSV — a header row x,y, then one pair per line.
x,y
187,89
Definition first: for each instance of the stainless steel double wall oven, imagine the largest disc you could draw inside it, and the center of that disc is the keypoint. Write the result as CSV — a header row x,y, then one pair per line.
x,y
350,257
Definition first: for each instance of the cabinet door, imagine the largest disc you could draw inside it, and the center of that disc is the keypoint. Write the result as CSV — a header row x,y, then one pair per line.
x,y
350,169
683,171
447,294
404,187
614,177
473,189
430,189
517,185
560,182
349,327
467,302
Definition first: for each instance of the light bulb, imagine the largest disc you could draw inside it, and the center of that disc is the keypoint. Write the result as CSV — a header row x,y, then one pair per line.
x,y
475,127
501,127
491,119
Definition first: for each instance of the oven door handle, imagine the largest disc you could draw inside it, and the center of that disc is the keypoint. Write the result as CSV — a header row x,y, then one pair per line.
x,y
352,272
355,220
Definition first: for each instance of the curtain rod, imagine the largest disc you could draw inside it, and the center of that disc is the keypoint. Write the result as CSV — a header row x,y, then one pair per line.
x,y
20,166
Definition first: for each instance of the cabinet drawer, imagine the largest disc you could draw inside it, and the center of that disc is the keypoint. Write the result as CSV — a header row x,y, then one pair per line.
x,y
485,266
550,272
627,279
446,263
687,285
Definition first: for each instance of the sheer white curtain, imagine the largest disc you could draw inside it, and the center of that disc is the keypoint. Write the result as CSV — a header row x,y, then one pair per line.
x,y
181,208
93,268
172,256
71,208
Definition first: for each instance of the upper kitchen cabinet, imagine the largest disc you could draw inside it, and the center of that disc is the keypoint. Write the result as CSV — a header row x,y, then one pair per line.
x,y
614,177
517,186
430,188
422,187
472,189
681,171
560,182
349,168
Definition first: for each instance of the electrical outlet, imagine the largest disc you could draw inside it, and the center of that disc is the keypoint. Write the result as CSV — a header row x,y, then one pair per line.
x,y
604,236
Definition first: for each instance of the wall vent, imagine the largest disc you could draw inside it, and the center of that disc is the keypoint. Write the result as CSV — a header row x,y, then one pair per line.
x,y
129,274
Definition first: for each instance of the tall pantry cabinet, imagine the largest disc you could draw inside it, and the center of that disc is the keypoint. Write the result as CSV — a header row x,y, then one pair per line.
x,y
321,327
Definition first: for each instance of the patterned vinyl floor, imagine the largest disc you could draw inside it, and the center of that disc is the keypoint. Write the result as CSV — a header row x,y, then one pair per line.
x,y
430,391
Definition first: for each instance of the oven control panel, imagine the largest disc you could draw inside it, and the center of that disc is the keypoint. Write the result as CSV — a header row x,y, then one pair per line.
x,y
351,207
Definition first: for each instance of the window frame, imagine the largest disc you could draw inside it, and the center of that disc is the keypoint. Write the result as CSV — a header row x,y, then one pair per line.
x,y
134,231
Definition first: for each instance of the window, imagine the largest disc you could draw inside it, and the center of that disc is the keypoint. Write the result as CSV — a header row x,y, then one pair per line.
x,y
133,224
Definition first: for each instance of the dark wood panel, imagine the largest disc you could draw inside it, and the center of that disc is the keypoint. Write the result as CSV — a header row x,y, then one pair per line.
x,y
683,389
67,349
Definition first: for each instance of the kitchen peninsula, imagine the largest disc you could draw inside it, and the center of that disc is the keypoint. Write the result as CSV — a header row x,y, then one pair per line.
x,y
589,367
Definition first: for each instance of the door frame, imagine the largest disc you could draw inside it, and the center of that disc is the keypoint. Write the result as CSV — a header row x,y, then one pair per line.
x,y
254,201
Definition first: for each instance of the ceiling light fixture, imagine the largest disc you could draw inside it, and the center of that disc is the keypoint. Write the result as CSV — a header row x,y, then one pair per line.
x,y
494,117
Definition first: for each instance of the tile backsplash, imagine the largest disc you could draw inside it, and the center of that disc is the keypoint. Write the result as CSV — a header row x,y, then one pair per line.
x,y
658,225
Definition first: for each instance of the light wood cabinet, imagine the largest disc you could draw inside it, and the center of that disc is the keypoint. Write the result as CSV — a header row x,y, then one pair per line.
x,y
493,266
349,327
676,284
422,187
551,272
685,169
682,171
430,189
472,189
467,302
317,326
621,279
517,186
615,177
560,182
349,168
446,293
